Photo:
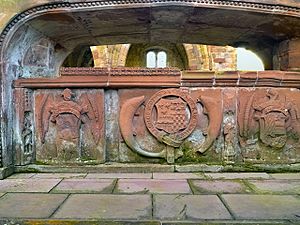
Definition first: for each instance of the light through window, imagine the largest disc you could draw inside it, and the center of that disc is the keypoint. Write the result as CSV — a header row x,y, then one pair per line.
x,y
156,59
248,61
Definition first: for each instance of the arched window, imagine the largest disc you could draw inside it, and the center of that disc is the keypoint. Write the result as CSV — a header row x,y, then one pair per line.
x,y
249,61
156,59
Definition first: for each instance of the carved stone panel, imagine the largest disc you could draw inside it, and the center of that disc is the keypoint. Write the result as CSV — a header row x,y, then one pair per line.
x,y
70,125
24,132
181,124
269,124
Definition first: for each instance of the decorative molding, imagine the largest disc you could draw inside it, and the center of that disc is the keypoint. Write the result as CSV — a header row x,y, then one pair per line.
x,y
251,6
128,77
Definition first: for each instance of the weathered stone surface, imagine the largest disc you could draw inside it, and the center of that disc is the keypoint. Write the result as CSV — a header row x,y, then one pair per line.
x,y
145,186
263,206
77,222
6,171
218,186
268,127
59,175
89,206
198,168
28,185
102,168
21,176
238,175
286,176
119,175
189,207
277,186
21,205
179,176
85,186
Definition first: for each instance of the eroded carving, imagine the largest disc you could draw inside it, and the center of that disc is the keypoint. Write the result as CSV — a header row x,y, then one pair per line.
x,y
170,115
213,110
27,137
24,144
229,132
127,112
68,115
270,120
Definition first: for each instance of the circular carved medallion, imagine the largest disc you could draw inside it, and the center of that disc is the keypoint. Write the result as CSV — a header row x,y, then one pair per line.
x,y
171,113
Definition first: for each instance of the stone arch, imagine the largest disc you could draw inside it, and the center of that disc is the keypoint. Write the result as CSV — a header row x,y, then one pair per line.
x,y
64,25
110,55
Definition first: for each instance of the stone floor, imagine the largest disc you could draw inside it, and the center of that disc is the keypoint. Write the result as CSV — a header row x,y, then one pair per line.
x,y
150,198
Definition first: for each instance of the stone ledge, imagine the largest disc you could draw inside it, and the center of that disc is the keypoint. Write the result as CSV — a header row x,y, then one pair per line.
x,y
141,222
6,171
102,168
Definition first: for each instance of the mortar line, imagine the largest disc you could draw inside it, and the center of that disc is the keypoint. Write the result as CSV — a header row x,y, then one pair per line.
x,y
152,206
249,185
191,186
114,185
56,210
227,206
55,186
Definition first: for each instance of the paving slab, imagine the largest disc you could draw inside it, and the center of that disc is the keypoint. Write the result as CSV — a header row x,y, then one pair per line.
x,y
286,176
75,222
85,186
227,222
238,175
30,205
28,185
218,186
145,186
119,175
93,206
21,176
178,176
265,207
277,186
189,207
59,175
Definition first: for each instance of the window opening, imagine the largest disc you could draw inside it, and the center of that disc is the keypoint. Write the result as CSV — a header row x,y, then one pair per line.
x,y
249,61
156,59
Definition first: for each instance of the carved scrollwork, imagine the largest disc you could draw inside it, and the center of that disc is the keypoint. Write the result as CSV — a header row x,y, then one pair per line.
x,y
170,116
214,111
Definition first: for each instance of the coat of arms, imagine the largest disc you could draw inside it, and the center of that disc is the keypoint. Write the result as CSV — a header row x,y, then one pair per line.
x,y
171,115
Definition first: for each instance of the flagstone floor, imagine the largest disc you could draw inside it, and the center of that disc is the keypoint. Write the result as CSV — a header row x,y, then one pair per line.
x,y
150,198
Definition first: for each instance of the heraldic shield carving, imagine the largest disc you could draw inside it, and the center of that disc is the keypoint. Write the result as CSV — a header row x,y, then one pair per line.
x,y
170,115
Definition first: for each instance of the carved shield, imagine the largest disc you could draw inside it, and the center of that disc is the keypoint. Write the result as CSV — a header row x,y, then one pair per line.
x,y
171,115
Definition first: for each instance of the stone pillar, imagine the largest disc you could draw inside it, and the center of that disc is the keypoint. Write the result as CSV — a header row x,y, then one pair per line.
x,y
288,55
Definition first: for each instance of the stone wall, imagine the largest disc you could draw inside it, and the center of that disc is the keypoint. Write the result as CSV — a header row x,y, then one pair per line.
x,y
182,56
139,115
